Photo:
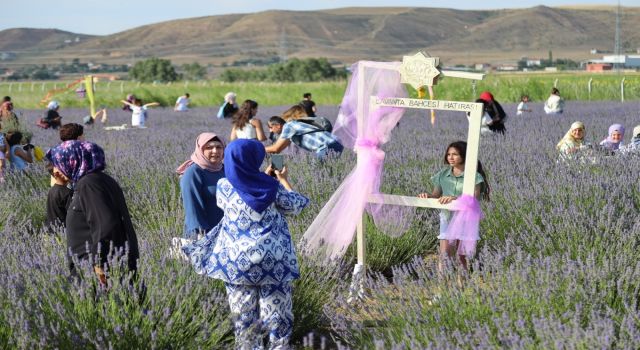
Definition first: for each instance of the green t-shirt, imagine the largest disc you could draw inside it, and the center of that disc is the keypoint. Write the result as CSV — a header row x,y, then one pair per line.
x,y
450,184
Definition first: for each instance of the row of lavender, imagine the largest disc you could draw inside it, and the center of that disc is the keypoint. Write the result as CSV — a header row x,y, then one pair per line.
x,y
557,268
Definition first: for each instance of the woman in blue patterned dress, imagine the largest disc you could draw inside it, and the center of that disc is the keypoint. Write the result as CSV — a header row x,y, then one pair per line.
x,y
251,249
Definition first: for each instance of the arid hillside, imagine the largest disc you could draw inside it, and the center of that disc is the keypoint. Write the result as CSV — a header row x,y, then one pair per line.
x,y
344,35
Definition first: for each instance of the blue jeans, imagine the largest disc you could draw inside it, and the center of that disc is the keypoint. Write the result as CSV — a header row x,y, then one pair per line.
x,y
335,147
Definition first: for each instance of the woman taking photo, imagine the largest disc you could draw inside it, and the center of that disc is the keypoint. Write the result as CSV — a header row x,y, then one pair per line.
x,y
251,249
198,179
98,221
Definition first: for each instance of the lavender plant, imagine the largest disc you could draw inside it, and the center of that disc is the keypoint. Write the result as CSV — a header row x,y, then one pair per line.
x,y
557,266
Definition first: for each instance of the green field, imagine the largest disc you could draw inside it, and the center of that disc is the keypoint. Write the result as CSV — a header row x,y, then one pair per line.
x,y
505,87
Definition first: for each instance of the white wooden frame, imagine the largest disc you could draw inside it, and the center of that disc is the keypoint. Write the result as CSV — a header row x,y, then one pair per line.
x,y
471,161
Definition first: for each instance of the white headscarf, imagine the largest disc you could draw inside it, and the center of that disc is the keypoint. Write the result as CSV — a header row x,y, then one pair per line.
x,y
53,105
568,138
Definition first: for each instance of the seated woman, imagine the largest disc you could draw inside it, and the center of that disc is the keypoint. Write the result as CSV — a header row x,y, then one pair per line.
x,y
229,106
495,111
198,179
52,119
98,221
8,118
245,125
555,103
309,137
634,145
573,141
614,141
20,156
251,250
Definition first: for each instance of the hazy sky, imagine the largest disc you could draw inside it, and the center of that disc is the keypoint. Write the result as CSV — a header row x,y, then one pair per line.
x,y
112,16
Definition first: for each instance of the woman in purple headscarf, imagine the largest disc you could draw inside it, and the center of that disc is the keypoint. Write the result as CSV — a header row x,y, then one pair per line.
x,y
614,140
98,221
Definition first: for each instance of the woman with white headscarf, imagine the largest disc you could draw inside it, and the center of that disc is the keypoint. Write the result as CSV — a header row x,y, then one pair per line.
x,y
229,107
573,140
52,119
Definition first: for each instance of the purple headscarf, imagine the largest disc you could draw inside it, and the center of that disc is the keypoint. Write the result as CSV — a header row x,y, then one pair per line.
x,y
76,159
609,141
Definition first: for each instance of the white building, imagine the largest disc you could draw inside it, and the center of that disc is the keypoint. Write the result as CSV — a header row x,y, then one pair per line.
x,y
627,61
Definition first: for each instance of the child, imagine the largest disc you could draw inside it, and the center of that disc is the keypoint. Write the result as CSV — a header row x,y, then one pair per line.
x,y
126,106
58,199
275,124
447,187
139,114
523,107
182,103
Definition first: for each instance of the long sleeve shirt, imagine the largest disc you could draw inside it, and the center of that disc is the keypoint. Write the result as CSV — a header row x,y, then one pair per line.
x,y
198,190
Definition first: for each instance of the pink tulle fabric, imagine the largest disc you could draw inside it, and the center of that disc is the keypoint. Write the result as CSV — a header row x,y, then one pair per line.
x,y
464,225
333,229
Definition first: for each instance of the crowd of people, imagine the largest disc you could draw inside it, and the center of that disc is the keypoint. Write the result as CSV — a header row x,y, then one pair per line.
x,y
235,226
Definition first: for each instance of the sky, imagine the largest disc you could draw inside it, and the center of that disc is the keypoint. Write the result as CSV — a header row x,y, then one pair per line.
x,y
111,16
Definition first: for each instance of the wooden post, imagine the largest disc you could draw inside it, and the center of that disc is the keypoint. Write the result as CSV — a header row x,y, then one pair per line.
x,y
589,87
622,90
361,128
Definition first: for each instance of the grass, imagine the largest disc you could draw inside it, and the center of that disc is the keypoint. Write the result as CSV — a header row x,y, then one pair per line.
x,y
506,88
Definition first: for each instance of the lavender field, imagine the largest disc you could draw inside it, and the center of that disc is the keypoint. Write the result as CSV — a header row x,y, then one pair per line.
x,y
558,264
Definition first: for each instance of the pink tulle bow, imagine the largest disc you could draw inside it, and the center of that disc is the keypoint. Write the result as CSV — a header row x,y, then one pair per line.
x,y
465,223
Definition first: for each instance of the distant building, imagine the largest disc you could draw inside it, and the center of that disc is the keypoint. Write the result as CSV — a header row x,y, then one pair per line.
x,y
533,62
507,68
482,66
599,67
626,61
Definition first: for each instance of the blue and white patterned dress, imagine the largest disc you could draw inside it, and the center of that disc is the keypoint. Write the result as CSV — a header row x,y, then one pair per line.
x,y
247,247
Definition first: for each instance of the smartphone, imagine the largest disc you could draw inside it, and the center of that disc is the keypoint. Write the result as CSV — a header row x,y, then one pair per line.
x,y
277,161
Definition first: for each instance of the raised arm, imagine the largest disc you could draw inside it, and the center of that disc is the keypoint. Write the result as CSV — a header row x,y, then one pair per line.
x,y
127,103
259,130
151,104
233,135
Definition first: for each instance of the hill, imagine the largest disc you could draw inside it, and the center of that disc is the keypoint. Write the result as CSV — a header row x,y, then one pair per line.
x,y
38,39
349,34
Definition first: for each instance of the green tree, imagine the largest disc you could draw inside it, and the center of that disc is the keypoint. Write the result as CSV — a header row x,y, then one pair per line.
x,y
153,69
194,71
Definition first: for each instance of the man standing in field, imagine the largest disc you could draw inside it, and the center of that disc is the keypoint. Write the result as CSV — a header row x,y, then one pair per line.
x,y
308,104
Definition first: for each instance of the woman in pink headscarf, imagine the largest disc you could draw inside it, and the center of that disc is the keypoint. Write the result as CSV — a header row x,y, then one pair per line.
x,y
198,180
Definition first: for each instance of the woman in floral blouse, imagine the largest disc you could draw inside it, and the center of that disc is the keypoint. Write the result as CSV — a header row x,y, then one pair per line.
x,y
251,248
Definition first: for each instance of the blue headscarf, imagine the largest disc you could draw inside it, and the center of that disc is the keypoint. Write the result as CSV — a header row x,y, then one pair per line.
x,y
242,161
77,158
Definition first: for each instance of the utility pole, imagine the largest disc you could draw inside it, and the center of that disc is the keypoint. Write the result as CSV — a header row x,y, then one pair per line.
x,y
616,50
